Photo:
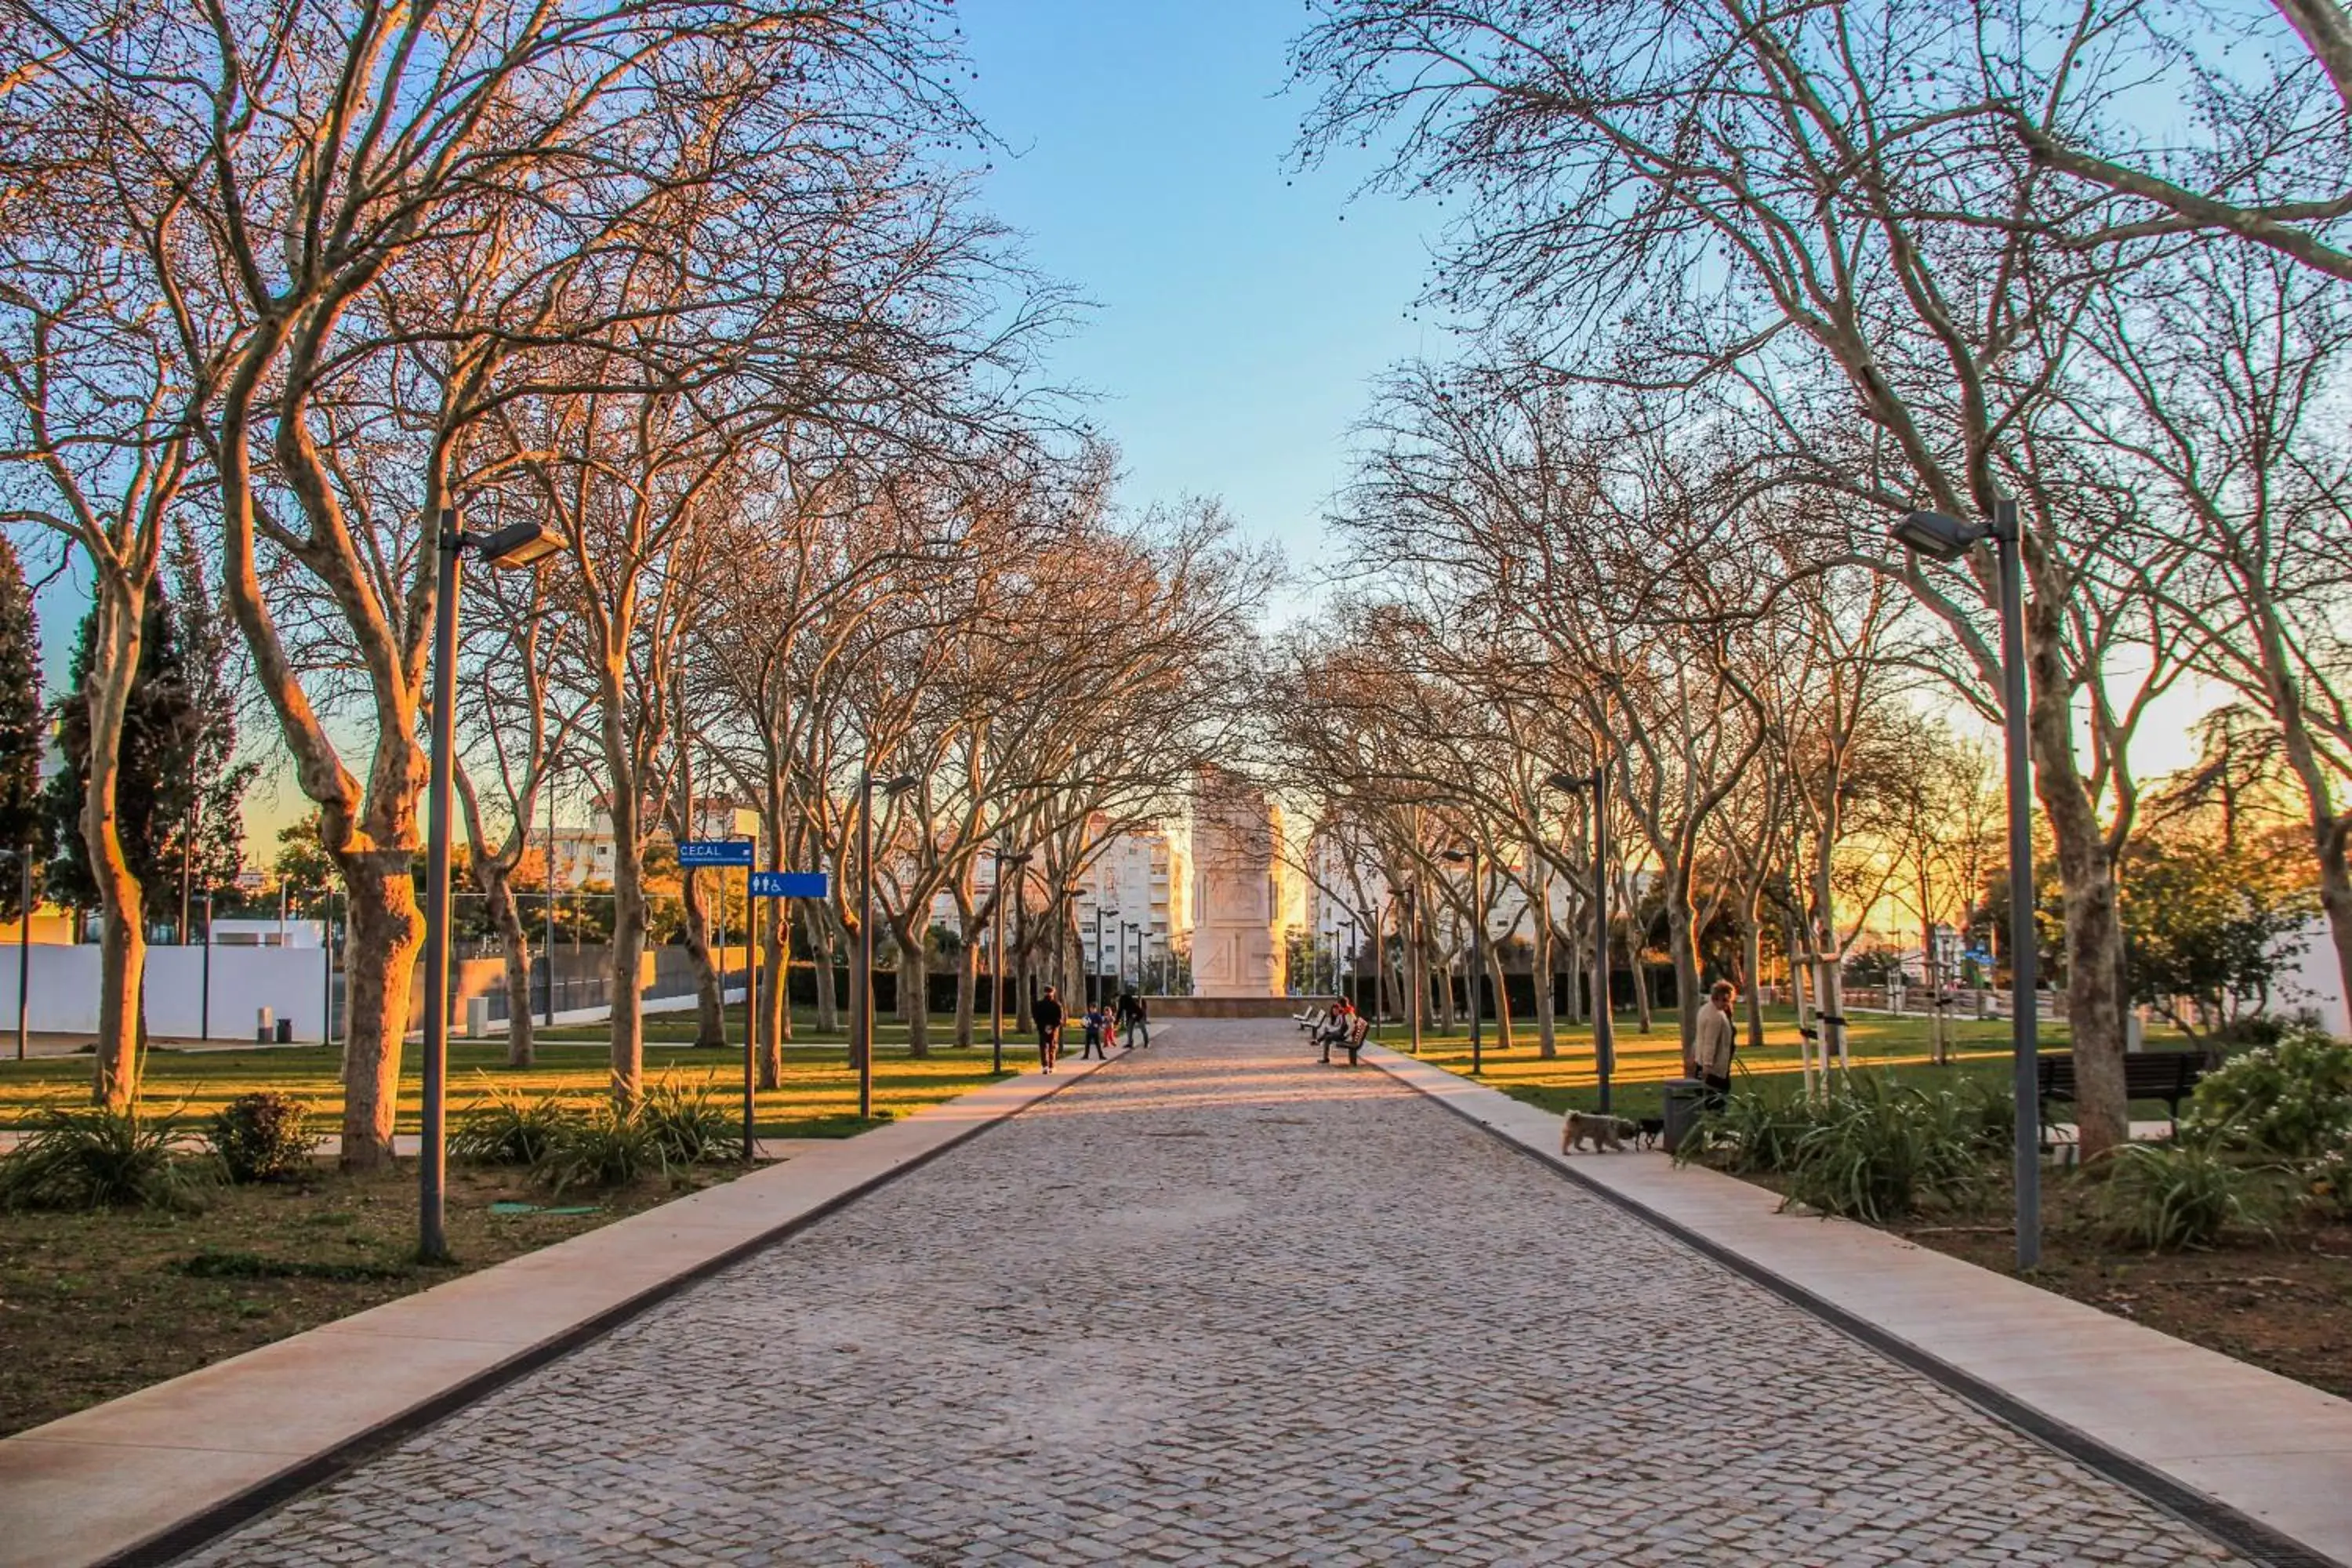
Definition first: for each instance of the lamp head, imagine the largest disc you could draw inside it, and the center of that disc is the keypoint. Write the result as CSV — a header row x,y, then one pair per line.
x,y
1456,855
522,544
1574,783
1938,536
899,785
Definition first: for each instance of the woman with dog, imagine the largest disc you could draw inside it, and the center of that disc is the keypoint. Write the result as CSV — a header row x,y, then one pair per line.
x,y
1711,1049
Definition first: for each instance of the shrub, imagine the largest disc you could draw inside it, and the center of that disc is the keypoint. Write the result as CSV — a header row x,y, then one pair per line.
x,y
2292,1100
605,1148
89,1157
262,1137
508,1128
690,1127
2167,1196
2327,1182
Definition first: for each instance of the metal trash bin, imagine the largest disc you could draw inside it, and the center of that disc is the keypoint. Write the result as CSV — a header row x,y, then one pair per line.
x,y
1685,1100
285,1031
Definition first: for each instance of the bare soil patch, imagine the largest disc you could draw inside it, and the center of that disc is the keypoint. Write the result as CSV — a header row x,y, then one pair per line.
x,y
96,1305
2281,1302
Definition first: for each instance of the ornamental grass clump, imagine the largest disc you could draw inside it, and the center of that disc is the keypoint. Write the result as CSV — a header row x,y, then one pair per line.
x,y
1870,1149
608,1147
2291,1100
1752,1135
1879,1150
91,1157
508,1127
2168,1196
263,1137
692,1128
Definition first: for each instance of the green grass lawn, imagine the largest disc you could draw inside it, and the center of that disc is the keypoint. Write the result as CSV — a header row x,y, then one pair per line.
x,y
818,1098
1980,1051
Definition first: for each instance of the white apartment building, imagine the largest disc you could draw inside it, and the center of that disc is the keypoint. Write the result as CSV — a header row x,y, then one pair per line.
x,y
1142,883
1331,896
584,855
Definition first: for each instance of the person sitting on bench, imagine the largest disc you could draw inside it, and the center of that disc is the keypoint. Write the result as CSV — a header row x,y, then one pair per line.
x,y
1336,1030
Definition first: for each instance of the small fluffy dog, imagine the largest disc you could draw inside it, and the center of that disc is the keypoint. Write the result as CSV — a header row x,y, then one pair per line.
x,y
1607,1133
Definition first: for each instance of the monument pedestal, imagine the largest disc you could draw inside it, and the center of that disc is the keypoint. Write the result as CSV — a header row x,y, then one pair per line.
x,y
1236,950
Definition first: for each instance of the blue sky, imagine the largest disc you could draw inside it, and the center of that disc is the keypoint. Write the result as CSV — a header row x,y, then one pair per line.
x,y
1241,306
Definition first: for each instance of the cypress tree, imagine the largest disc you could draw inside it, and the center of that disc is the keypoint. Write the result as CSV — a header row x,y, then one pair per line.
x,y
178,797
23,732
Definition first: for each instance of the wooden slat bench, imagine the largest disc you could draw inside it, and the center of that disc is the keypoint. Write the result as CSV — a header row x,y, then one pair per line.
x,y
2167,1075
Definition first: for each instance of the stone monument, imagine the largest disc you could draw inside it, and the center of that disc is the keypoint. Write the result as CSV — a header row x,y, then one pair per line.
x,y
1236,910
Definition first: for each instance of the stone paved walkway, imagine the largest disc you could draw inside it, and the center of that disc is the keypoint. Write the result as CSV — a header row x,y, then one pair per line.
x,y
1219,1306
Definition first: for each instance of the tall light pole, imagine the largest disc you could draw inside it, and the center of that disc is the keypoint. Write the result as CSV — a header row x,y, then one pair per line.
x,y
1943,538
1604,1041
996,986
1124,928
1477,947
520,544
547,907
864,999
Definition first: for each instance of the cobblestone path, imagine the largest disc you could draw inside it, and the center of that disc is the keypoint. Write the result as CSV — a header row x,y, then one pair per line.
x,y
1219,1306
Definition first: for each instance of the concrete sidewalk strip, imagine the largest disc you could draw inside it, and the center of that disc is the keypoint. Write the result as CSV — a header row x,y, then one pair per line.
x,y
134,1478
2223,1433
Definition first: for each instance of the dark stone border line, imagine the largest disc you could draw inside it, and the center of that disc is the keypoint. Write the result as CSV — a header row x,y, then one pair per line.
x,y
2240,1532
175,1541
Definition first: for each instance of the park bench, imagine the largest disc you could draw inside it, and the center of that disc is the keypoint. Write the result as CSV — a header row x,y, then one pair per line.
x,y
2167,1075
1352,1042
1310,1020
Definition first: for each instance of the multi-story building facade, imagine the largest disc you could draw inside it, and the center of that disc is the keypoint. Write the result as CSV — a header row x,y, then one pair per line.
x,y
584,855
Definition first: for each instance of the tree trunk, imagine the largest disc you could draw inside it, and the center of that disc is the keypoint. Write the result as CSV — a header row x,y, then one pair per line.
x,y
915,991
1443,969
710,998
384,934
122,940
966,976
498,889
1751,956
2335,893
822,937
629,921
1682,952
2095,934
1502,998
1539,966
775,1011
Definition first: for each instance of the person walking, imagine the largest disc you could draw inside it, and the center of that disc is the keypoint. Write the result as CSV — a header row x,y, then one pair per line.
x,y
1717,1038
1047,1013
1133,1017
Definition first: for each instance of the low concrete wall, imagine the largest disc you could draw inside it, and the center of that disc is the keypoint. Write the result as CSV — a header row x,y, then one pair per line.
x,y
1233,1006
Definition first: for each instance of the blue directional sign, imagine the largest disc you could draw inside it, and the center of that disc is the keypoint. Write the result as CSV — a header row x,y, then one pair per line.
x,y
715,852
788,884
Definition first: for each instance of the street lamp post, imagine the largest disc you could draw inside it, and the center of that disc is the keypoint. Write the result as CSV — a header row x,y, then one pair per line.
x,y
519,545
1477,948
864,1000
996,985
1943,538
1604,1041
1347,972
